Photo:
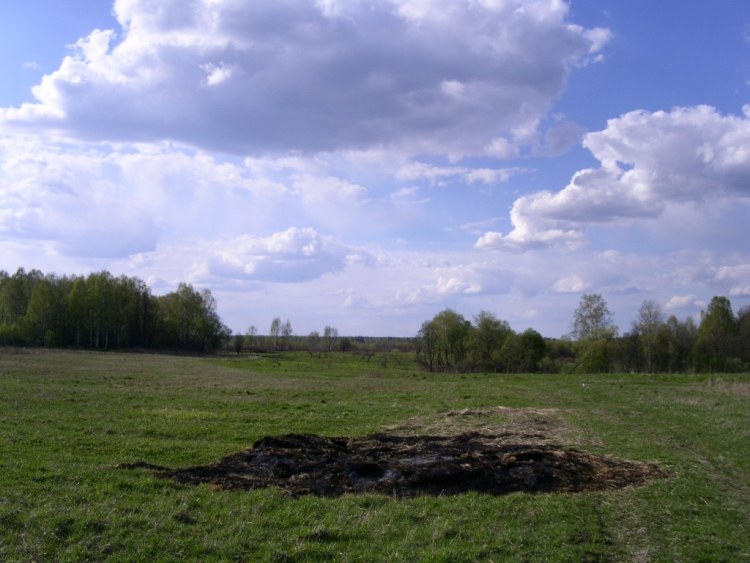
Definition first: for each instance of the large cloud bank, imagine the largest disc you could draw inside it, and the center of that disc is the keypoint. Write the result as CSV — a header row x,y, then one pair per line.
x,y
464,77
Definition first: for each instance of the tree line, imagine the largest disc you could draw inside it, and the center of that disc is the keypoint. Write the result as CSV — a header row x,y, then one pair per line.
x,y
281,338
720,342
104,312
449,342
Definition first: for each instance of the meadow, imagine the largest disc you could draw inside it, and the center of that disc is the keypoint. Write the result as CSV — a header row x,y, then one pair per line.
x,y
70,420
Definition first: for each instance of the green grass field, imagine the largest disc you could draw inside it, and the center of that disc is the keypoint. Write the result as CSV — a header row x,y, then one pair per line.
x,y
69,418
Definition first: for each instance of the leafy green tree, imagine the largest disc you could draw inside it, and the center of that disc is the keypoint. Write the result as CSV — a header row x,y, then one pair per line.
x,y
238,343
534,349
427,345
443,341
43,315
594,328
211,330
681,336
453,330
596,356
188,320
100,311
133,316
560,356
716,336
510,355
522,353
652,335
743,336
77,306
313,342
487,338
14,297
626,353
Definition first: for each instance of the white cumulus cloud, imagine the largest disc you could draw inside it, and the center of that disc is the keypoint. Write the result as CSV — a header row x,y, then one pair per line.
x,y
294,255
649,161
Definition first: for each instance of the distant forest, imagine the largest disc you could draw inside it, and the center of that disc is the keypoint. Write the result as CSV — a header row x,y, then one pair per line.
x,y
654,344
103,312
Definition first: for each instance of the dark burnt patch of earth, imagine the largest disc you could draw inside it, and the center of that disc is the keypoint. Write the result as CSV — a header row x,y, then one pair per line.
x,y
407,466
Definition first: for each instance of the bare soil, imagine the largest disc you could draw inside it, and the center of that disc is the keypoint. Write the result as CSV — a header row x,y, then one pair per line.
x,y
409,465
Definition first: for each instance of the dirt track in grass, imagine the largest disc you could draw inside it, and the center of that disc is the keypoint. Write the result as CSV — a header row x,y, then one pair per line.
x,y
411,465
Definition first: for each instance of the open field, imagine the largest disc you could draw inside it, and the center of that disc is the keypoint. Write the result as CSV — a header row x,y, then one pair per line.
x,y
68,419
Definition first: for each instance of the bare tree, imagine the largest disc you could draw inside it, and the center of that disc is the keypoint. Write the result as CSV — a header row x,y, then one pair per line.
x,y
593,319
330,334
286,335
649,315
250,338
275,332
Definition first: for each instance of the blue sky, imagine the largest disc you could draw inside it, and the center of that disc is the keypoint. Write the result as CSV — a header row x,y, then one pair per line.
x,y
368,164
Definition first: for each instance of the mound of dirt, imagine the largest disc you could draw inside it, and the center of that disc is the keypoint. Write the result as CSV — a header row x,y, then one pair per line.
x,y
406,466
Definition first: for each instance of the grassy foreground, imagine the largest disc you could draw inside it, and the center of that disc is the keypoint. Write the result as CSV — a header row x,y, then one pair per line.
x,y
67,419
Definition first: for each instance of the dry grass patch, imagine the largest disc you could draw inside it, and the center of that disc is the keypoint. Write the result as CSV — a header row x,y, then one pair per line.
x,y
509,425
